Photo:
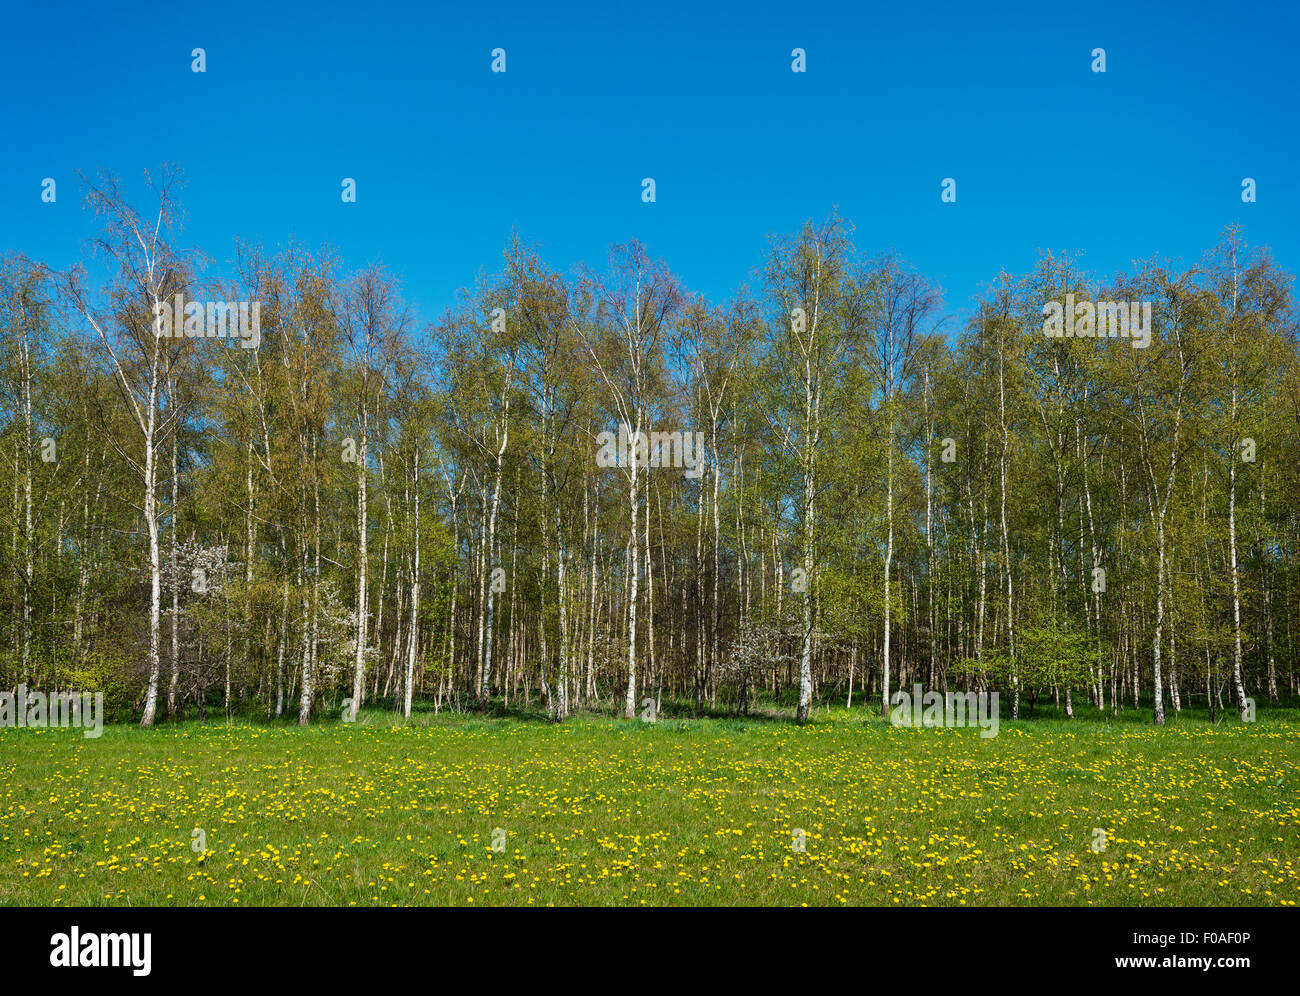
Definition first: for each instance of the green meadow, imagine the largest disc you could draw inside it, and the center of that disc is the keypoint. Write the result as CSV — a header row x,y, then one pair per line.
x,y
509,810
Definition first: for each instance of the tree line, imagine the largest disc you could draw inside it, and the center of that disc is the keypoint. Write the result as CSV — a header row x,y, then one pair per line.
x,y
825,487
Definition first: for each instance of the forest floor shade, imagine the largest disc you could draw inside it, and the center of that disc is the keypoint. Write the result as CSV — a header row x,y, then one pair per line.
x,y
465,810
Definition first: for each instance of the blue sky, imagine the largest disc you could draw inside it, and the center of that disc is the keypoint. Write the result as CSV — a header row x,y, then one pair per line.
x,y
1146,159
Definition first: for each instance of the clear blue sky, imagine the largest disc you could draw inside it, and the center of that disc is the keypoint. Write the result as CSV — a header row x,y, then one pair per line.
x,y
449,157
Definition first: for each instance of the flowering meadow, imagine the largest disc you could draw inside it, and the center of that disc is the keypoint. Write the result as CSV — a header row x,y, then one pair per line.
x,y
467,811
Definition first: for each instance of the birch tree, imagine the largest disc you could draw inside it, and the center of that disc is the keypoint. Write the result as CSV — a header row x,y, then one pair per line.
x,y
148,271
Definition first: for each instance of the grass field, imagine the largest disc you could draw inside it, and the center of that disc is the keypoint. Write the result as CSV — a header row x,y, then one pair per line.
x,y
679,812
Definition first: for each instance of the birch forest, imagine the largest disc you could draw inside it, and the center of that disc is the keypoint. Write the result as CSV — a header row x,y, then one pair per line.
x,y
825,489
